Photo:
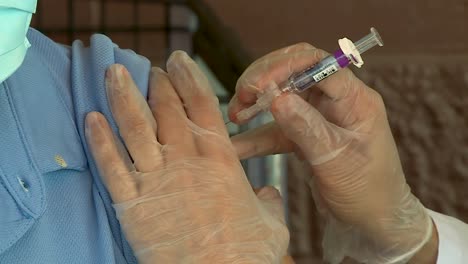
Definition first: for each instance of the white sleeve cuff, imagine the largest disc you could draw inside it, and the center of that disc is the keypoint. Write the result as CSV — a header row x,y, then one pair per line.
x,y
453,239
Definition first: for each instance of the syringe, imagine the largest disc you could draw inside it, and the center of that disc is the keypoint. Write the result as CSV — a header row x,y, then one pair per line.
x,y
348,53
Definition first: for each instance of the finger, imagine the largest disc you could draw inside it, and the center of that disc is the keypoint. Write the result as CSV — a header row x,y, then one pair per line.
x,y
265,140
169,112
339,85
286,50
110,163
268,193
313,97
288,260
356,103
275,70
295,48
271,199
201,104
319,140
134,119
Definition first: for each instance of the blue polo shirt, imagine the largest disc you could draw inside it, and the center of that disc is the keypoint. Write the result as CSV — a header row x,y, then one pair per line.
x,y
54,207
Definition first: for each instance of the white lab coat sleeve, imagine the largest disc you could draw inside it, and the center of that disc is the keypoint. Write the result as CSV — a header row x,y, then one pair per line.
x,y
453,239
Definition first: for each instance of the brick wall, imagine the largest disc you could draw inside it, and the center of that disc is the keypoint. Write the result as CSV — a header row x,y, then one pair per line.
x,y
147,27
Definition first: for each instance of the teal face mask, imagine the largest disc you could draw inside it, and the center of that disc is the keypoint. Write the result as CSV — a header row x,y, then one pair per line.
x,y
15,17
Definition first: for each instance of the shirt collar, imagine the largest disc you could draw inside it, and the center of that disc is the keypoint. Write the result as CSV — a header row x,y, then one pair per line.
x,y
40,92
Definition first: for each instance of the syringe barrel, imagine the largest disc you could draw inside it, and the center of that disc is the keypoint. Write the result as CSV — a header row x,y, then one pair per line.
x,y
331,64
322,70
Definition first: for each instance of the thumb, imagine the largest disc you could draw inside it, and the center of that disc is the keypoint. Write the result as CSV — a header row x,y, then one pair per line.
x,y
272,201
111,158
318,139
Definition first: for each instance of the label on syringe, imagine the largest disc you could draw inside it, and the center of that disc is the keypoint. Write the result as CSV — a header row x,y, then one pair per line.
x,y
325,73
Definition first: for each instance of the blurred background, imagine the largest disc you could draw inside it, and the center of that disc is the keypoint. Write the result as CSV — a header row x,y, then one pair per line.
x,y
421,72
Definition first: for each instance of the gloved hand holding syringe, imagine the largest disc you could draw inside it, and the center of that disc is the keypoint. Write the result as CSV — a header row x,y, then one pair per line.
x,y
340,132
348,53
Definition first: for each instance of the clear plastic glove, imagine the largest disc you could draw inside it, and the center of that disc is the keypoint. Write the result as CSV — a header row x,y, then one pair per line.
x,y
180,193
340,128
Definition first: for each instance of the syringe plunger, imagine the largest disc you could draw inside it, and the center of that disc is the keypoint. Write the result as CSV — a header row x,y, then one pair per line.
x,y
369,41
